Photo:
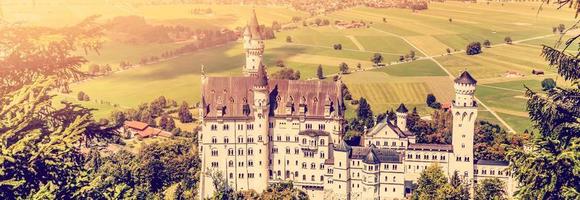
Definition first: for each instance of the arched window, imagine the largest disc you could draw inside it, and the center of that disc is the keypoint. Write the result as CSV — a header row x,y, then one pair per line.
x,y
322,142
231,163
214,152
213,140
226,140
250,151
230,152
240,152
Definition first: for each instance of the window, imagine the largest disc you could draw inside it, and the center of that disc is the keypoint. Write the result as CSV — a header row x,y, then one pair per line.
x,y
304,141
321,126
226,127
213,127
250,140
271,125
230,152
250,151
308,126
231,175
492,172
476,171
259,138
240,127
312,166
213,140
484,171
287,150
287,138
214,164
458,159
250,126
322,142
214,152
417,156
442,157
321,154
240,139
409,156
240,164
434,157
279,138
231,163
274,150
240,151
394,144
303,165
296,151
395,167
426,157
466,159
226,140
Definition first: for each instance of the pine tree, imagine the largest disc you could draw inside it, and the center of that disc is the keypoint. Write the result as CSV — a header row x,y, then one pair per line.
x,y
550,169
319,72
185,115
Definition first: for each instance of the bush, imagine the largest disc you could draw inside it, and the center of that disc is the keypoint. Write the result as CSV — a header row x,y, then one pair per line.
x,y
354,102
548,84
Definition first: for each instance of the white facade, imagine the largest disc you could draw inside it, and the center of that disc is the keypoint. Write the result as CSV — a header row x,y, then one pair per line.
x,y
257,131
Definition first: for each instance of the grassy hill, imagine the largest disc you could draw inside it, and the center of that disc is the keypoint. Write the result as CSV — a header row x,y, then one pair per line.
x,y
428,33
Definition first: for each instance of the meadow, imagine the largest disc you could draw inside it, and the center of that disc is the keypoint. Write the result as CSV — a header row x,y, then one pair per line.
x,y
391,32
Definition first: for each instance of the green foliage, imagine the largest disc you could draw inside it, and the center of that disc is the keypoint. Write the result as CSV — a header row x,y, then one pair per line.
x,y
343,67
377,58
431,179
40,150
456,189
319,72
287,73
473,48
550,169
548,84
490,188
185,115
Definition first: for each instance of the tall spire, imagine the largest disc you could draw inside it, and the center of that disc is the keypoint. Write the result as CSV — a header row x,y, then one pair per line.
x,y
261,77
254,26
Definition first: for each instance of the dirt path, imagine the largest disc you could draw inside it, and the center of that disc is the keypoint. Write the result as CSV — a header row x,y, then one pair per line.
x,y
358,44
452,77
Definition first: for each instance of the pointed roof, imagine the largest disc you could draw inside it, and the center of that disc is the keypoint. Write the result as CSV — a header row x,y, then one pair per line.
x,y
465,78
254,26
402,109
261,77
342,146
371,157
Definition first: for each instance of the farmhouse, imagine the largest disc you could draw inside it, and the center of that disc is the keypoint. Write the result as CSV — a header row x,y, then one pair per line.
x,y
142,130
257,131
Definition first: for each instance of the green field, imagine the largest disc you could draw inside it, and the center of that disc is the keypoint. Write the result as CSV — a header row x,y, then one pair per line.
x,y
429,33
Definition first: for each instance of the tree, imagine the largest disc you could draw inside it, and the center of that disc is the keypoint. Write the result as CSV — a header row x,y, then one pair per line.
x,y
431,179
490,188
561,28
450,20
548,84
508,40
456,189
283,190
550,169
473,48
412,55
430,99
486,43
163,122
554,29
288,39
319,72
287,73
343,67
377,58
81,96
358,66
448,50
185,115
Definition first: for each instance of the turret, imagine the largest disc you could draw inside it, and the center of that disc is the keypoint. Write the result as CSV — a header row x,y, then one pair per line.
x,y
261,123
253,46
464,110
402,117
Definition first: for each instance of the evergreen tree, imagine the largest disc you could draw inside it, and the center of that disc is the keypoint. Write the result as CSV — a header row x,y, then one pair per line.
x,y
163,122
343,67
319,72
550,169
185,115
548,84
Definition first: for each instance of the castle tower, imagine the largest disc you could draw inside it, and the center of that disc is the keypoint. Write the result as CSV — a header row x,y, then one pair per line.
x,y
402,117
261,109
253,46
464,109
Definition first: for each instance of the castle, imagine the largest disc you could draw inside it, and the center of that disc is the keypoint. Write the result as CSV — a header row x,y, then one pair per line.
x,y
257,131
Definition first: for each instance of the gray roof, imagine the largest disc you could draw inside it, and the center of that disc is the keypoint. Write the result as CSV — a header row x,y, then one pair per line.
x,y
402,109
342,146
431,147
492,162
254,26
262,78
465,78
374,155
380,126
313,133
